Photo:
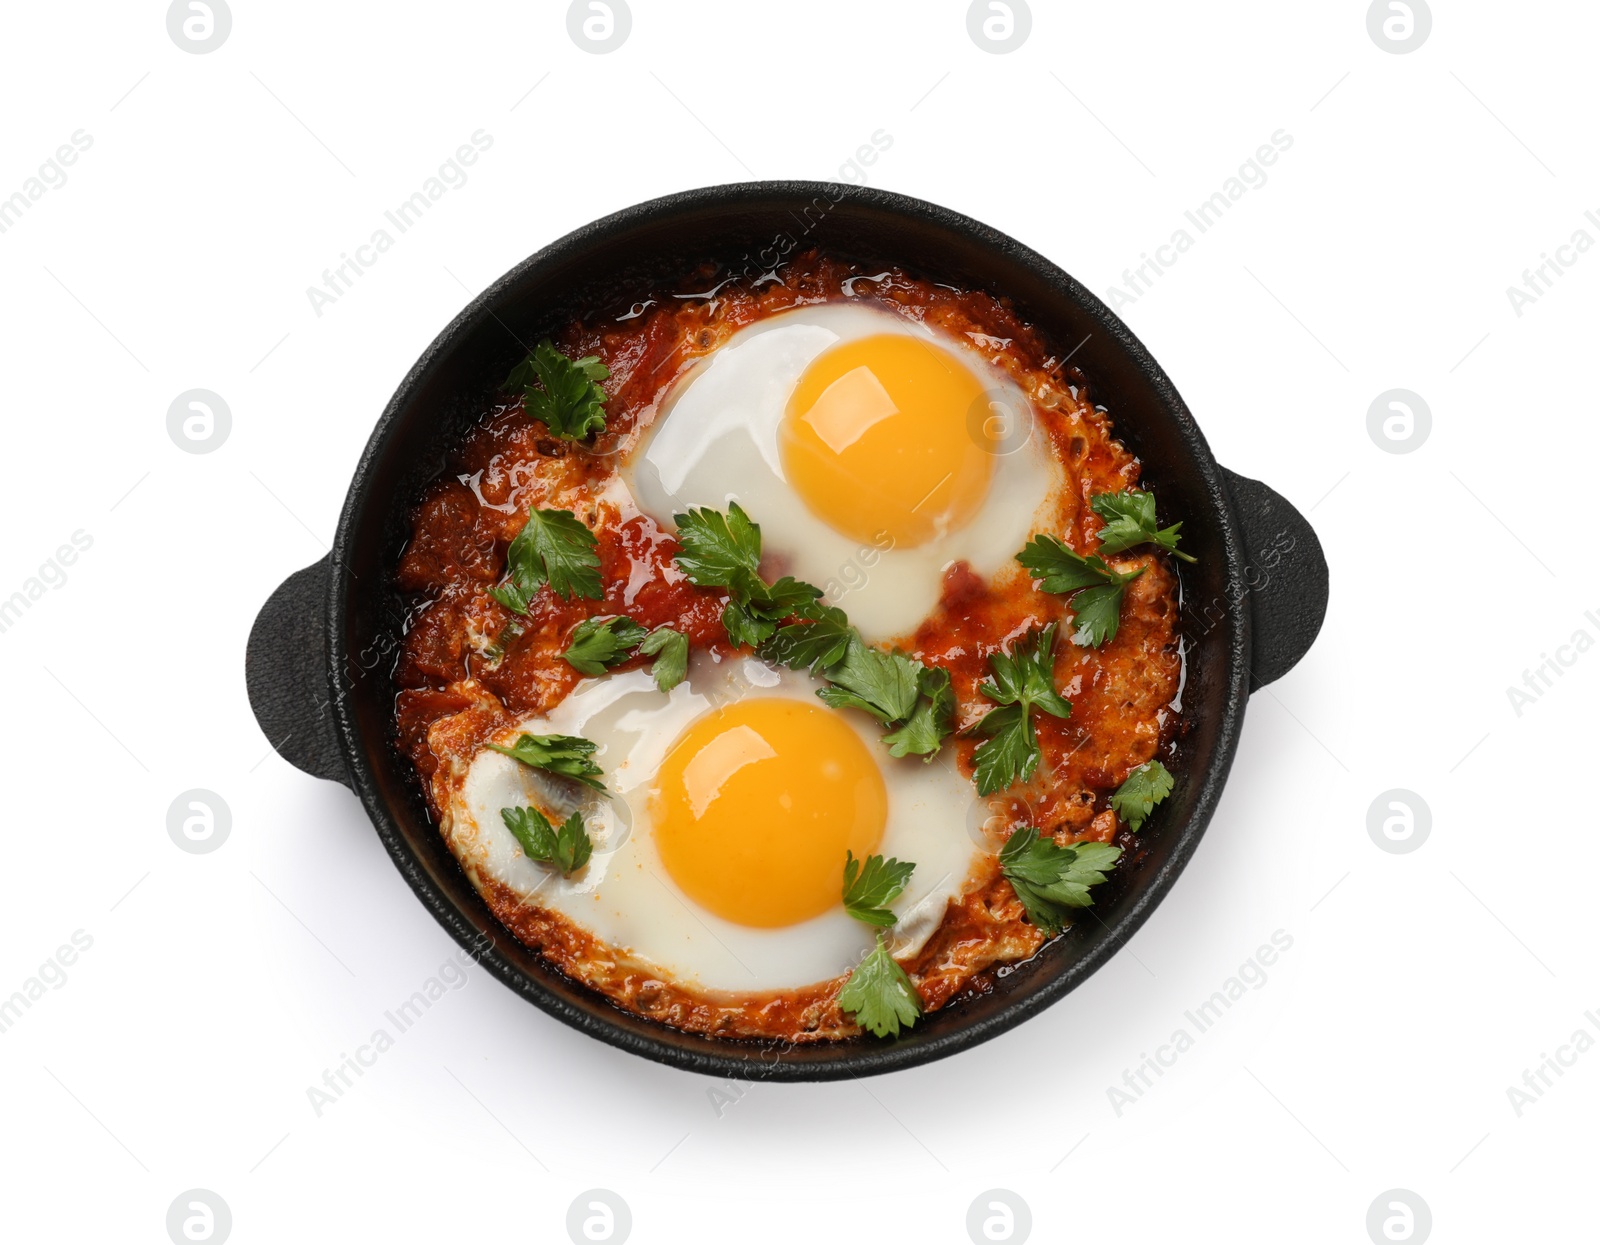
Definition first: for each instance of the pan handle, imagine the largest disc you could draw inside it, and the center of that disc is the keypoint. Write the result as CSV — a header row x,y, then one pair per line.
x,y
1286,578
286,674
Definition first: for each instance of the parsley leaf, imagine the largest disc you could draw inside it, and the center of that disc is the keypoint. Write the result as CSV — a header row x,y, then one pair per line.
x,y
568,848
1096,613
553,547
1143,789
1131,520
879,994
1097,605
1023,680
724,551
755,609
1050,879
567,755
871,885
886,685
671,650
598,645
571,403
817,642
897,690
930,721
719,551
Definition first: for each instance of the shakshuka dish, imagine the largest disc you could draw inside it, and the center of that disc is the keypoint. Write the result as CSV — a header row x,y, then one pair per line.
x,y
790,656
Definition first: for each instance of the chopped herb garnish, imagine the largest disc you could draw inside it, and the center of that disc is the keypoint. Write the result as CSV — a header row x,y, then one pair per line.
x,y
566,755
597,644
1050,880
886,685
818,641
1097,603
871,885
724,551
564,394
932,719
878,994
718,550
1143,789
1131,520
1023,681
568,848
671,650
916,701
553,547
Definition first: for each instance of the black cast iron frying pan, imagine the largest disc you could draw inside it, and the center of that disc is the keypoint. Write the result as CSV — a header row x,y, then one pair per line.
x,y
321,652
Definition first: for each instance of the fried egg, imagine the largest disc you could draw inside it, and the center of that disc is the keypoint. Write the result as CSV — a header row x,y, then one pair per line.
x,y
864,445
720,843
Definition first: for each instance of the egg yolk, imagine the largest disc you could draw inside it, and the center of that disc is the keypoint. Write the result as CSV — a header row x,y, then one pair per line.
x,y
756,805
877,440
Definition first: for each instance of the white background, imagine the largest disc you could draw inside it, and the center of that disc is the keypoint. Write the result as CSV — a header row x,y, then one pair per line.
x,y
178,1052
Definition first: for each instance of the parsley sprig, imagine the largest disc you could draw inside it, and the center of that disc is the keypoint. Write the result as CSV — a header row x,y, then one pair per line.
x,y
599,644
724,551
1024,680
563,394
872,884
570,756
915,701
553,547
1140,792
567,848
879,993
1050,880
1097,589
1131,520
670,648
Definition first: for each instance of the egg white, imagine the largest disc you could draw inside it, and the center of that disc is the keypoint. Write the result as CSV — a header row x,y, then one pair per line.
x,y
716,441
626,898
